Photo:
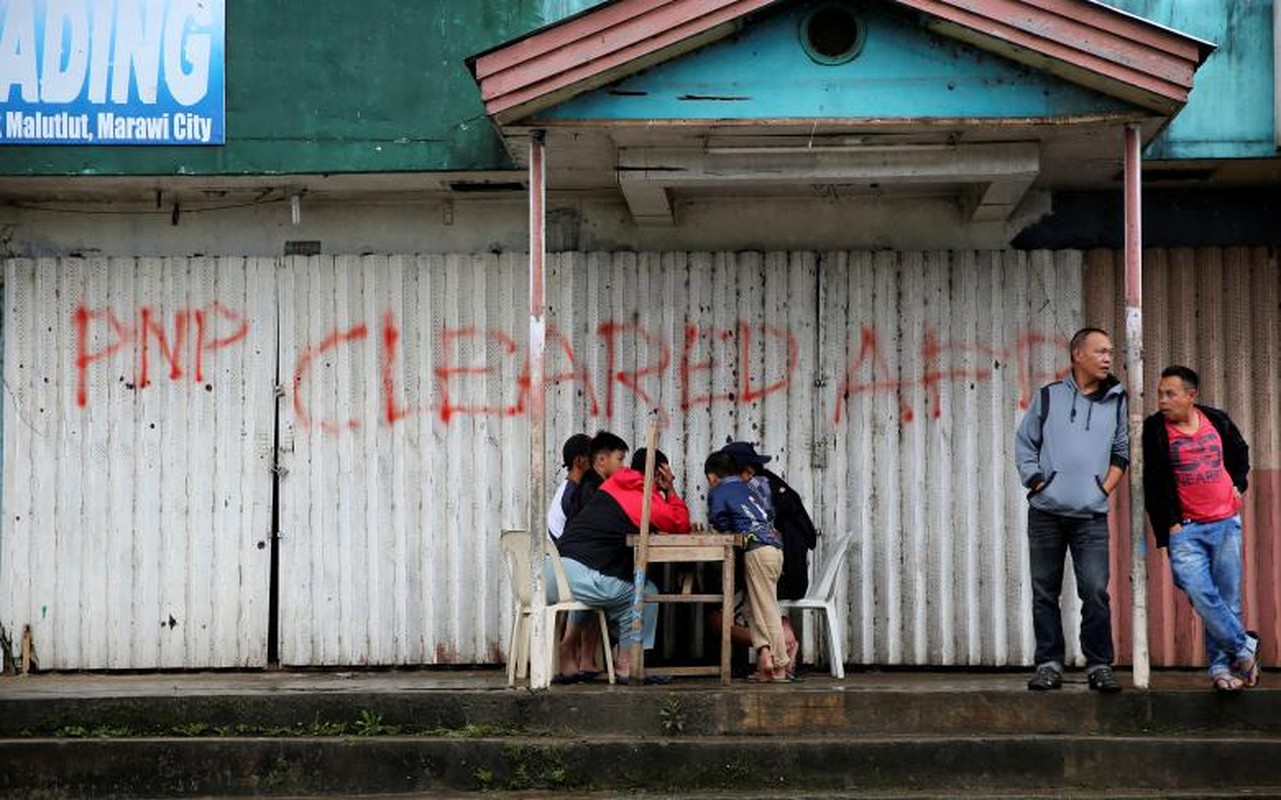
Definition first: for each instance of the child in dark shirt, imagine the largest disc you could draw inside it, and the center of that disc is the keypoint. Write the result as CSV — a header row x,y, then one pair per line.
x,y
738,503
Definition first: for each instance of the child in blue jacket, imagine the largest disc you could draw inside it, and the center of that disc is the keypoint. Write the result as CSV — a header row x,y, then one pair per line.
x,y
739,502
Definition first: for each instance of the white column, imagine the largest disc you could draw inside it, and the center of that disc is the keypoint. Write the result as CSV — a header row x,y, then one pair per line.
x,y
539,675
1134,386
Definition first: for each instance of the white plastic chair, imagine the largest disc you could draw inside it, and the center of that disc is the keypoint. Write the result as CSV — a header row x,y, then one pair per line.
x,y
567,603
822,597
515,544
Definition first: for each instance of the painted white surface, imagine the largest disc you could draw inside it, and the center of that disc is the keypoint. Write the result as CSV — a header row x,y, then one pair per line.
x,y
937,351
133,520
390,519
945,348
887,385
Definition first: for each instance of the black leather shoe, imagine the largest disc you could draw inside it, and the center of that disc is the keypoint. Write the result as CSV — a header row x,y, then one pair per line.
x,y
1104,680
1045,679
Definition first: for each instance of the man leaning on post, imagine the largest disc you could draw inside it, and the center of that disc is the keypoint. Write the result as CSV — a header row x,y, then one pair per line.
x,y
1073,448
1195,468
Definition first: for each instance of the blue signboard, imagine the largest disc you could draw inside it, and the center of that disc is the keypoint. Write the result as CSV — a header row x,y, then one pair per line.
x,y
127,72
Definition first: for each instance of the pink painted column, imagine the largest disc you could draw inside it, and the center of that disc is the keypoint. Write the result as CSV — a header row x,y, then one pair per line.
x,y
539,674
1134,386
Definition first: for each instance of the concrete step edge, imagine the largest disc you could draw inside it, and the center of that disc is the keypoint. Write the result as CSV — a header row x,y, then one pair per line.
x,y
354,766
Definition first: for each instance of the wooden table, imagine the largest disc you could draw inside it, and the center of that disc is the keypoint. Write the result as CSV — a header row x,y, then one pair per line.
x,y
675,548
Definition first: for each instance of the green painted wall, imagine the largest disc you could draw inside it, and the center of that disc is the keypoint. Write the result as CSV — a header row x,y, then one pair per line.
x,y
333,86
380,86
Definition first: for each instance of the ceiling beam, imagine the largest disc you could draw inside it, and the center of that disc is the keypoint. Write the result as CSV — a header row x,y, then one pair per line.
x,y
1002,172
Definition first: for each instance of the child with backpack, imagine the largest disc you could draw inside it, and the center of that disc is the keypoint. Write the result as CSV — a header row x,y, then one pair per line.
x,y
739,501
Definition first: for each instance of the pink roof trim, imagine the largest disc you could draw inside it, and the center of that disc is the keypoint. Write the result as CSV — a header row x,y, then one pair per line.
x,y
542,42
593,44
640,34
1087,36
1083,40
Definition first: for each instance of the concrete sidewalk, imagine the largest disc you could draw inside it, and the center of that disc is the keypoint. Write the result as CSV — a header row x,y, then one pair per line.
x,y
465,733
411,681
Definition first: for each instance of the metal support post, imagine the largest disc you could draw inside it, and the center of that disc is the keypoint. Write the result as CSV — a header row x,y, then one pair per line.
x,y
1134,387
539,674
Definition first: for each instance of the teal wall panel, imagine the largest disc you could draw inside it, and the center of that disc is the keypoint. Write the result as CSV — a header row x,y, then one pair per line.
x,y
332,86
1230,112
902,71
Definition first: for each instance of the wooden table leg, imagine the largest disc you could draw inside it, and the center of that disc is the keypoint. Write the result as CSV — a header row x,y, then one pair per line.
x,y
727,612
637,669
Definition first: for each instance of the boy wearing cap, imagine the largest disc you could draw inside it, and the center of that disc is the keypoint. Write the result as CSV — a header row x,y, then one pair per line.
x,y
791,520
576,456
739,501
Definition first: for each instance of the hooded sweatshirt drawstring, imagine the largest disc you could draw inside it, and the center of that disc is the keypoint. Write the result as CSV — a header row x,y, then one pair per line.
x,y
1089,408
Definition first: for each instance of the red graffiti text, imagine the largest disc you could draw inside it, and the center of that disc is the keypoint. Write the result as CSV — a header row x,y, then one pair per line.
x,y
147,331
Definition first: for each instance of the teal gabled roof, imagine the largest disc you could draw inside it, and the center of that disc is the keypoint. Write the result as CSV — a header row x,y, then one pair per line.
x,y
903,71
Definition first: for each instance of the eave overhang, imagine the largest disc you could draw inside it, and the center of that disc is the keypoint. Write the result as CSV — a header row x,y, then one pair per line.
x,y
1082,41
597,47
1085,42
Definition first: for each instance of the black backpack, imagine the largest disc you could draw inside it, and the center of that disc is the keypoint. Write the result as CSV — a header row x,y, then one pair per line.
x,y
799,537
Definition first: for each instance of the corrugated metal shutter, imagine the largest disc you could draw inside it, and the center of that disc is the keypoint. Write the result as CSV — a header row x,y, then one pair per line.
x,y
1218,311
927,360
392,503
888,386
391,514
391,498
138,418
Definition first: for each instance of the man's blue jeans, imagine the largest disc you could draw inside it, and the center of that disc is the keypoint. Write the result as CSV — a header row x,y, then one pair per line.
x,y
1050,537
1205,560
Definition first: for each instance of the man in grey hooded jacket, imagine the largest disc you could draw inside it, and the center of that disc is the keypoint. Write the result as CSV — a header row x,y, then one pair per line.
x,y
1073,448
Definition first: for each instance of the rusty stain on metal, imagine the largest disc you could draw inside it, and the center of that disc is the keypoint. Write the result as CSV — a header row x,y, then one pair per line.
x,y
446,655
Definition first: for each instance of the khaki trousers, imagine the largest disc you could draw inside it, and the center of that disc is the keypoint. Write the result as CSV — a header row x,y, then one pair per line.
x,y
764,619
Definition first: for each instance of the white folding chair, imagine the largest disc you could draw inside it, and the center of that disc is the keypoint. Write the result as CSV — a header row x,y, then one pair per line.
x,y
515,544
822,597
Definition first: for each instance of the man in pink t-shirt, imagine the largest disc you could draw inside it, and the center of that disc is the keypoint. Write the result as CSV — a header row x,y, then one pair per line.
x,y
1195,464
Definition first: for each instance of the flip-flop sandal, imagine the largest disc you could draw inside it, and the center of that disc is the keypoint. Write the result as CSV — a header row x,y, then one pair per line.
x,y
565,680
1227,683
1249,675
